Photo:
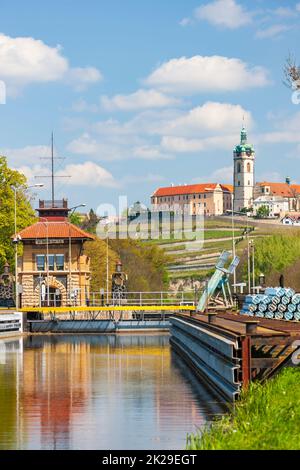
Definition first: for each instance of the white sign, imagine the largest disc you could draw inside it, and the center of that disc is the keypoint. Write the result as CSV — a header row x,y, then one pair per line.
x,y
50,242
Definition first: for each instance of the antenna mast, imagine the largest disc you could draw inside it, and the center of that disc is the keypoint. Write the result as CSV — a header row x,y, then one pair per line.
x,y
52,167
53,176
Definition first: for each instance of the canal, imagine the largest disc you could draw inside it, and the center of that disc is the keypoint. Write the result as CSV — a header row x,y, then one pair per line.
x,y
98,392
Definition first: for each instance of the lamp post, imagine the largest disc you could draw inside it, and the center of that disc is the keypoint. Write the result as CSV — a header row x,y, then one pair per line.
x,y
17,239
46,222
107,224
73,209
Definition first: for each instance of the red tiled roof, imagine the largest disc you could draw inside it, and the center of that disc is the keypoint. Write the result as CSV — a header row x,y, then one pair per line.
x,y
188,189
54,229
292,215
227,187
282,189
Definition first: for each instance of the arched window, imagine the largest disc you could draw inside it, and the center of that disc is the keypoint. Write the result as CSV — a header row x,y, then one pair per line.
x,y
238,167
248,168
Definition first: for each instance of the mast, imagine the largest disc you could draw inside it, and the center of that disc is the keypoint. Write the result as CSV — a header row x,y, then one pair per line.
x,y
52,167
53,176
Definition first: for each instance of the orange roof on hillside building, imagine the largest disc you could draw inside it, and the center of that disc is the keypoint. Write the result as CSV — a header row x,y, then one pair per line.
x,y
282,189
227,187
54,229
189,189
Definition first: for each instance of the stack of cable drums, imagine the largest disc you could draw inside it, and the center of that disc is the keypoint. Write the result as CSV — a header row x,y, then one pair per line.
x,y
277,302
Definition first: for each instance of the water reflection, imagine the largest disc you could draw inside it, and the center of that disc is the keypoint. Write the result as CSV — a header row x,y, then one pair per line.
x,y
98,392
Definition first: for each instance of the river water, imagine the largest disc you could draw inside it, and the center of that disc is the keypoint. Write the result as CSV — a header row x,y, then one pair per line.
x,y
98,392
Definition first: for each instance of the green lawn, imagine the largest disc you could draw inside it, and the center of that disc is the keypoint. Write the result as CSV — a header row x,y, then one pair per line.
x,y
267,417
195,275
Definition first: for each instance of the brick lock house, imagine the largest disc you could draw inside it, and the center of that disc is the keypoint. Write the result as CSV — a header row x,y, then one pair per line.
x,y
53,270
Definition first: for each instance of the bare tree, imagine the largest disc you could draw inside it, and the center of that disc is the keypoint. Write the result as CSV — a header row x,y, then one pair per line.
x,y
292,73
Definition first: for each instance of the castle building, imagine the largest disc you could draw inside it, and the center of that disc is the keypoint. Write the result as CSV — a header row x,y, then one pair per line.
x,y
243,164
53,270
208,199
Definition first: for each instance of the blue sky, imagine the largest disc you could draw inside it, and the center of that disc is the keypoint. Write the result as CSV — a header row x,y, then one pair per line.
x,y
145,94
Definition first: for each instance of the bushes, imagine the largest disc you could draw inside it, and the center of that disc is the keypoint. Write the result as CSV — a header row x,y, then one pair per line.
x,y
276,252
145,265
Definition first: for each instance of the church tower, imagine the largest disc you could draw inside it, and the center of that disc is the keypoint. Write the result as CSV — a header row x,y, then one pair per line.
x,y
243,163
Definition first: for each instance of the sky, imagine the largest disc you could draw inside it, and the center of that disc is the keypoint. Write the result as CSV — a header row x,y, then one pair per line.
x,y
143,94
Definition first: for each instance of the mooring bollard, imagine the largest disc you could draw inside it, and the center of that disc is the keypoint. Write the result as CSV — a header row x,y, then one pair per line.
x,y
251,327
212,317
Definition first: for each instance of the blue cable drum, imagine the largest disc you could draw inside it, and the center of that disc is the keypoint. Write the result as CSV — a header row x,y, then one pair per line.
x,y
297,314
279,315
296,299
272,308
276,300
289,292
292,308
262,308
266,299
288,315
269,314
285,300
257,299
272,291
259,314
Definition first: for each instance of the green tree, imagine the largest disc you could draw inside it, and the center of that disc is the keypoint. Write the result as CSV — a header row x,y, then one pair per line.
x,y
263,212
145,265
10,179
91,222
75,219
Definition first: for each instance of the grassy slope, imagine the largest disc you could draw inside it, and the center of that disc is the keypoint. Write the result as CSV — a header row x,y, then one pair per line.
x,y
267,417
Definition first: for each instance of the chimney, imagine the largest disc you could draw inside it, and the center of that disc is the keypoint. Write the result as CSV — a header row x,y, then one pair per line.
x,y
288,180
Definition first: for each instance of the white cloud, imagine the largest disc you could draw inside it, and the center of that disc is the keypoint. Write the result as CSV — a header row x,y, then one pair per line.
x,y
114,148
271,176
212,73
221,175
185,22
159,135
210,118
286,131
272,31
148,152
284,12
88,174
141,99
82,106
81,77
225,13
183,145
25,60
140,179
23,156
32,171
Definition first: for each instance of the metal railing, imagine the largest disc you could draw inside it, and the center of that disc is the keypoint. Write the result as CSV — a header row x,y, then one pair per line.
x,y
159,298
